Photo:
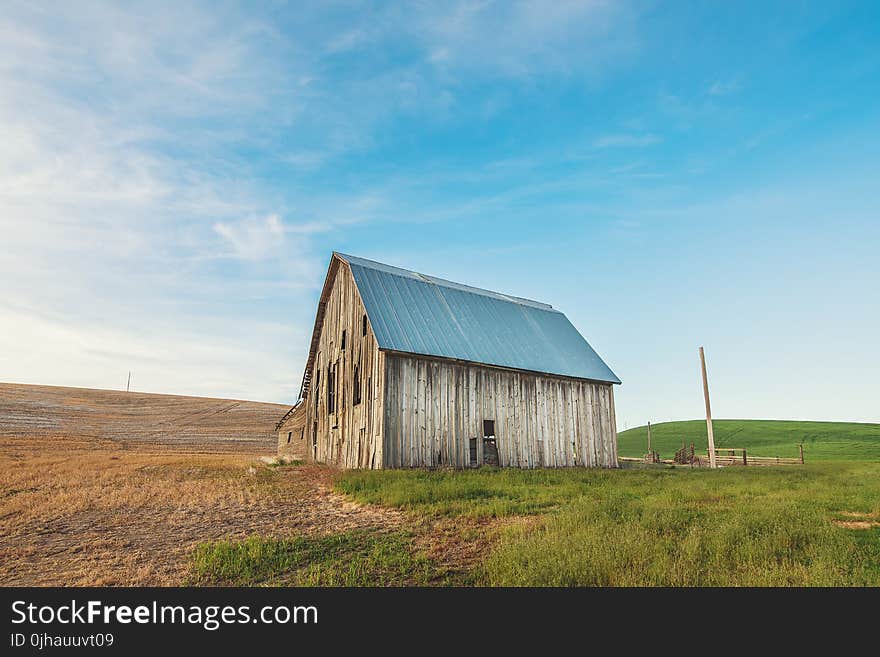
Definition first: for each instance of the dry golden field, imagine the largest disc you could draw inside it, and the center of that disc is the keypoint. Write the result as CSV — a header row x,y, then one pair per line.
x,y
133,419
113,488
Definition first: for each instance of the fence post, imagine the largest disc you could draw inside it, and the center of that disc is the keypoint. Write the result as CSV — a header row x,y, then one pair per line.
x,y
801,447
745,458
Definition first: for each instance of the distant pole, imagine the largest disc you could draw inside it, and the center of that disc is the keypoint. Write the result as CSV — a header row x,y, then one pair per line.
x,y
649,437
712,463
128,383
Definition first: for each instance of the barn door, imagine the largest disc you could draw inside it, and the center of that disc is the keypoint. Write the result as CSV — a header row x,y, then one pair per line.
x,y
490,445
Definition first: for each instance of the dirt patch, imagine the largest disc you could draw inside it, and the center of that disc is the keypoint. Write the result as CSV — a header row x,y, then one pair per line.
x,y
458,545
858,520
856,524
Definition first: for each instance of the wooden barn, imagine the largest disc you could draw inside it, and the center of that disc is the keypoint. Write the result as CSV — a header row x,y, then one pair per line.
x,y
407,370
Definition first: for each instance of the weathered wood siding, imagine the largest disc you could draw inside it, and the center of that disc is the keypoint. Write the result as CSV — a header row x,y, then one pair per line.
x,y
350,436
434,407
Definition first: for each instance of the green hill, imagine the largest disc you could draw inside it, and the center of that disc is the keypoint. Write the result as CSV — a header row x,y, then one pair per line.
x,y
823,441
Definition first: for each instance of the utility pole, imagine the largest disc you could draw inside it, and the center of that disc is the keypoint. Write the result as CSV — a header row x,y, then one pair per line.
x,y
712,463
128,383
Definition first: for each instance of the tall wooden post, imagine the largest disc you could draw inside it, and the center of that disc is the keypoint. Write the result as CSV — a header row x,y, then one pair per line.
x,y
128,383
649,437
712,463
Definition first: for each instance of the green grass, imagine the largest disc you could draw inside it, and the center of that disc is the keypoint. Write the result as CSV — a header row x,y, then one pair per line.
x,y
656,526
357,558
641,526
823,441
482,493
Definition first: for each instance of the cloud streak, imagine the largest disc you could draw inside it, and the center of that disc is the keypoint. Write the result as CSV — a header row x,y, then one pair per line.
x,y
626,141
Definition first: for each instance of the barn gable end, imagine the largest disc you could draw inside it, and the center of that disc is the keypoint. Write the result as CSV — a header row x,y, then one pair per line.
x,y
339,410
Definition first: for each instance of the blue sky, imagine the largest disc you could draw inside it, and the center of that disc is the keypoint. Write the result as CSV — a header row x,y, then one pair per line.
x,y
174,177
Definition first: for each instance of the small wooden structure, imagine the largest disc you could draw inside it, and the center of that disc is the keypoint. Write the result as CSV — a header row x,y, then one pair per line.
x,y
686,456
408,370
726,456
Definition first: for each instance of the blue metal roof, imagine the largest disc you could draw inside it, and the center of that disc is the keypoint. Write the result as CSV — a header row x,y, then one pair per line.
x,y
419,314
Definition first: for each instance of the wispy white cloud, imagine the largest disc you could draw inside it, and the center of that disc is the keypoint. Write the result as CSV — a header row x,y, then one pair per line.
x,y
346,41
624,140
252,238
305,160
724,87
528,37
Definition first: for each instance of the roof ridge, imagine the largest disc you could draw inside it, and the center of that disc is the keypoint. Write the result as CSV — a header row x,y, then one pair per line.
x,y
427,278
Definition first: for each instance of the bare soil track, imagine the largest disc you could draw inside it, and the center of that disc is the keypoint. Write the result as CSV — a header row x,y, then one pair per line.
x,y
111,488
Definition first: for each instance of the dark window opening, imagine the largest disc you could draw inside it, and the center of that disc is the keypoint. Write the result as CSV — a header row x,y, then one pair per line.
x,y
364,326
356,390
331,390
289,435
342,345
473,450
488,427
317,388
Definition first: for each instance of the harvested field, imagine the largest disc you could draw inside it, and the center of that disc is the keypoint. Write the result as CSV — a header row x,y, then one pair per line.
x,y
197,424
